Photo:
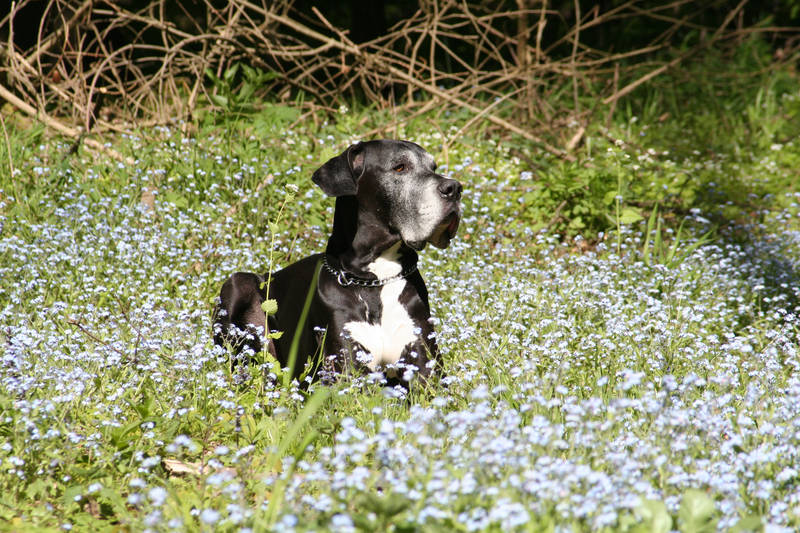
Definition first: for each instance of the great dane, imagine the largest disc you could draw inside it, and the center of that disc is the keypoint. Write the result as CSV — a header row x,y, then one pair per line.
x,y
369,307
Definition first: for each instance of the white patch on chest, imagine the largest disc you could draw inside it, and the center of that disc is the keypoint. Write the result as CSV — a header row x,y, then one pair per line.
x,y
386,340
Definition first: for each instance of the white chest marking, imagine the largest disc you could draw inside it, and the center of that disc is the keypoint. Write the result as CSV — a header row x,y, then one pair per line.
x,y
386,340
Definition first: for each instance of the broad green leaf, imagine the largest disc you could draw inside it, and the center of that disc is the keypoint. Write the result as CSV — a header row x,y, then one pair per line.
x,y
609,197
219,100
696,514
629,215
749,524
654,516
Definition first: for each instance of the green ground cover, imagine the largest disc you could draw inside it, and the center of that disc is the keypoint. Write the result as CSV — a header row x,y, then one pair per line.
x,y
619,334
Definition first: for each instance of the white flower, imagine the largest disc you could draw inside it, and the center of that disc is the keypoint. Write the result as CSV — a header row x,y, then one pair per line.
x,y
209,516
157,495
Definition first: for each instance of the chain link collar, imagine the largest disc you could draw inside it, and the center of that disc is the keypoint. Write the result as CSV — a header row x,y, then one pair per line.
x,y
346,279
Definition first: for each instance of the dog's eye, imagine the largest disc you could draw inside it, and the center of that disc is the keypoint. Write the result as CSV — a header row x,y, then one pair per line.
x,y
400,168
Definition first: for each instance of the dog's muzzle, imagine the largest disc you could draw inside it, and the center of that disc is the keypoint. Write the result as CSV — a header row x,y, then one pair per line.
x,y
450,191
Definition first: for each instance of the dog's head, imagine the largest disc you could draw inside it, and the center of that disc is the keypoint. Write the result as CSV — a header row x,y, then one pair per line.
x,y
397,182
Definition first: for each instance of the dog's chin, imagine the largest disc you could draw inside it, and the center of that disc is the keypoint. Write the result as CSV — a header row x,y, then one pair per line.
x,y
441,235
417,246
445,231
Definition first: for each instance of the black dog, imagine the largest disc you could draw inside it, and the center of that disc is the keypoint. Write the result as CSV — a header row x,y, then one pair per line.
x,y
369,307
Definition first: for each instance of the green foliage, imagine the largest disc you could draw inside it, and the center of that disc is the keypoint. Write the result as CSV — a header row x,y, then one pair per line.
x,y
656,251
697,513
235,91
235,94
749,524
289,445
683,144
654,517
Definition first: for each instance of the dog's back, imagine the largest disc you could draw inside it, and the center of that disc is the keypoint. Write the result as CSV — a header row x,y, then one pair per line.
x,y
240,321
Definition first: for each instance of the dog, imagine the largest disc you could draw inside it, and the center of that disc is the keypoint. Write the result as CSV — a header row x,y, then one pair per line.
x,y
367,304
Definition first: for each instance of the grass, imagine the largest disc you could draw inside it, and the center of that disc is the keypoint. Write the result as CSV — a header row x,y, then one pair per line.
x,y
619,335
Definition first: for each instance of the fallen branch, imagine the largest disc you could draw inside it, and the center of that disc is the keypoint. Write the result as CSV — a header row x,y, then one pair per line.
x,y
62,128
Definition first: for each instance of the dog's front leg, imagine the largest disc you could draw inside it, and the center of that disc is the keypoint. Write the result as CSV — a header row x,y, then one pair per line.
x,y
420,363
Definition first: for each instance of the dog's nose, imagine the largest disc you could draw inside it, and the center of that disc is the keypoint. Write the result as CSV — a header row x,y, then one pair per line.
x,y
450,189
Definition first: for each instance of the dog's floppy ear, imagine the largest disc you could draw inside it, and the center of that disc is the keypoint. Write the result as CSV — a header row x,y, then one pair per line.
x,y
338,176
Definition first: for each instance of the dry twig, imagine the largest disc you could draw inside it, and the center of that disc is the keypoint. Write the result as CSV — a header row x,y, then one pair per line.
x,y
449,53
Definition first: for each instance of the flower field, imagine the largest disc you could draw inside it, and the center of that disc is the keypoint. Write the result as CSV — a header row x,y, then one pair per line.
x,y
639,378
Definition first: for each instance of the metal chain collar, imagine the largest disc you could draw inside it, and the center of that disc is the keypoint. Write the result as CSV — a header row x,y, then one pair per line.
x,y
346,279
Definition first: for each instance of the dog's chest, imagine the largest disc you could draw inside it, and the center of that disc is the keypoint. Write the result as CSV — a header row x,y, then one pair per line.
x,y
385,339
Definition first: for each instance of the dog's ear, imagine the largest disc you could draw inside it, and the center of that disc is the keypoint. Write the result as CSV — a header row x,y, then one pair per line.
x,y
338,177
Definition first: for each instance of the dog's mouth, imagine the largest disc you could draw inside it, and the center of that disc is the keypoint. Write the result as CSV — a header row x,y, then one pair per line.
x,y
445,231
441,235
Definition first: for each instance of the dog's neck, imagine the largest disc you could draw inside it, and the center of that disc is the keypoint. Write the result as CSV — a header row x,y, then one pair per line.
x,y
359,239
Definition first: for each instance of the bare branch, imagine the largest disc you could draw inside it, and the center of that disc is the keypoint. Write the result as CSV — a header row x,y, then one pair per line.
x,y
500,65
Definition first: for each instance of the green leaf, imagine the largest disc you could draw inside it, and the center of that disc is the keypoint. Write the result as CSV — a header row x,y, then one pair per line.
x,y
630,215
231,72
248,399
650,226
675,243
627,523
313,404
272,75
116,501
38,489
249,72
122,436
213,77
387,505
576,223
749,524
246,92
696,514
71,492
219,100
176,199
654,516
312,289
144,407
